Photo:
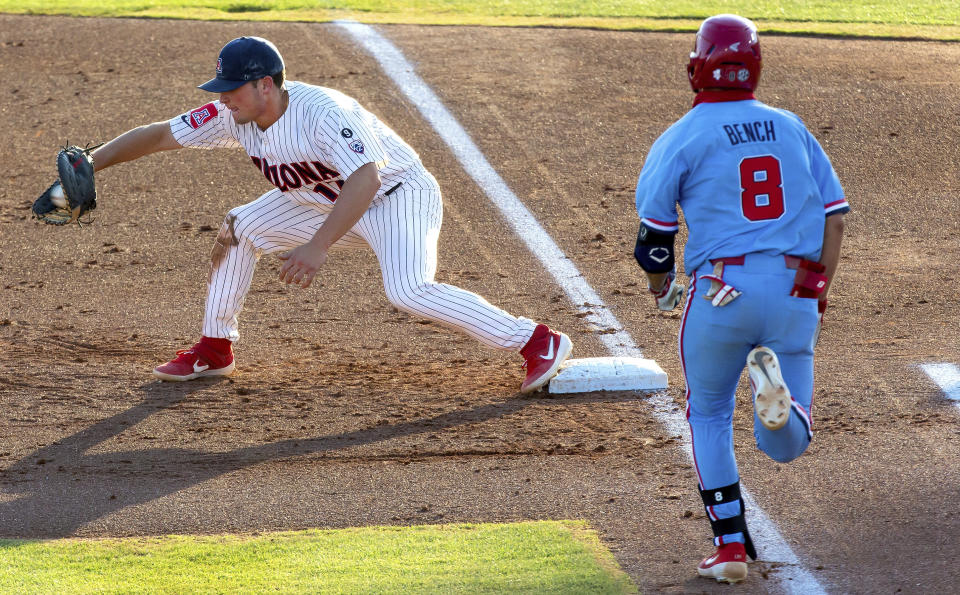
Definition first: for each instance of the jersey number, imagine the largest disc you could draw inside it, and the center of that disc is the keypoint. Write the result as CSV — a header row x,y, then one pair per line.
x,y
761,195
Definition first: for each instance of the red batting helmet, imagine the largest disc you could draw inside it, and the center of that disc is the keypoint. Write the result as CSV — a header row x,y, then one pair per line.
x,y
726,54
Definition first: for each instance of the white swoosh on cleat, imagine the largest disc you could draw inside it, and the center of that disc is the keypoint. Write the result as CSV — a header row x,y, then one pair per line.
x,y
197,369
549,353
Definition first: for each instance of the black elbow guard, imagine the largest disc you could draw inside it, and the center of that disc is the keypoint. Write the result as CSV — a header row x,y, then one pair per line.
x,y
654,250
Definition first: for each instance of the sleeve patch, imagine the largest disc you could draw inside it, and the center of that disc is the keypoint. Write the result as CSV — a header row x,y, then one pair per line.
x,y
357,146
201,115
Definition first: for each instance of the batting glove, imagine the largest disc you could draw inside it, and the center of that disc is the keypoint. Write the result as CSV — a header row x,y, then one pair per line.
x,y
669,296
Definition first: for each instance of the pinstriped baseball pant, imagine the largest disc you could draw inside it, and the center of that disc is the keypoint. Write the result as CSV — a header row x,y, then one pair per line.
x,y
402,229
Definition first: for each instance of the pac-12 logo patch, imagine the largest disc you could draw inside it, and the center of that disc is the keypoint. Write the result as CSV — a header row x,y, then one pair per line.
x,y
202,115
346,133
357,146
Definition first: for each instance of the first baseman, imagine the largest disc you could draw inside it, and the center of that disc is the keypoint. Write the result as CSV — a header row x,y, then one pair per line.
x,y
764,210
341,179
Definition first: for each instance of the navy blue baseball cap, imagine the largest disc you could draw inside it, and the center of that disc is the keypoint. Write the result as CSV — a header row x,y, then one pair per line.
x,y
242,60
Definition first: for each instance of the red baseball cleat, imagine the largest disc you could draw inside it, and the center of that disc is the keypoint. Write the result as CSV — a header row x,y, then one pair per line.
x,y
200,360
543,354
728,565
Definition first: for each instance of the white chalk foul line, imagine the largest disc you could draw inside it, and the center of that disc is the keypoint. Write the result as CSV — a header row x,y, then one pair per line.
x,y
792,577
947,377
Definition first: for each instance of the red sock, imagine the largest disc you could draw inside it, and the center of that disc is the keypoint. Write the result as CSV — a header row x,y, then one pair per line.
x,y
218,345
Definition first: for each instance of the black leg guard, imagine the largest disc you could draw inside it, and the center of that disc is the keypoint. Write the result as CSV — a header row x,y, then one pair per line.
x,y
736,524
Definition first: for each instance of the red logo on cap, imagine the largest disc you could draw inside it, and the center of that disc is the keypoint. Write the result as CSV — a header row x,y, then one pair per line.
x,y
202,115
219,65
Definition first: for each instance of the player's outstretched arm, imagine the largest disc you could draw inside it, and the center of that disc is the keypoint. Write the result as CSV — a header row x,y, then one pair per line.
x,y
134,144
74,192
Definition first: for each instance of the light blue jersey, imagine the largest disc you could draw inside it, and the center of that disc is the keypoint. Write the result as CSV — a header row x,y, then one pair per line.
x,y
748,177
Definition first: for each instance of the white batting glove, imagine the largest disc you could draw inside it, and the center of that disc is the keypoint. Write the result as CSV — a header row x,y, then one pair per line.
x,y
669,296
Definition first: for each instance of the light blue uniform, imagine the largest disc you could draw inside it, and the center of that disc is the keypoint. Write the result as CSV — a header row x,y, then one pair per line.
x,y
752,182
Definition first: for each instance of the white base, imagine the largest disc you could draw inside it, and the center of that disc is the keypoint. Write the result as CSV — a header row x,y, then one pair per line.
x,y
608,373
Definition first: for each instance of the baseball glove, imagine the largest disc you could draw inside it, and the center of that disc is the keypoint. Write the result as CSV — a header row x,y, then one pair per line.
x,y
73,193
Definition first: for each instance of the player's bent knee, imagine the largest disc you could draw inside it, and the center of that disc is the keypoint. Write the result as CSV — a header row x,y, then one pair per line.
x,y
410,299
785,452
226,239
410,307
241,225
784,458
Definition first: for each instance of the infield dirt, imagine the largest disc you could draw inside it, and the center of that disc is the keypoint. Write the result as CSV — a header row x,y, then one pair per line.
x,y
345,412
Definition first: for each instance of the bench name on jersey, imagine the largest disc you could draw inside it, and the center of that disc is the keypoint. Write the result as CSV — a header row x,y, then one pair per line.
x,y
290,176
750,132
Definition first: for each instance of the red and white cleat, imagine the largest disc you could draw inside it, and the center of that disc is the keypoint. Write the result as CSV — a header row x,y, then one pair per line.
x,y
728,565
542,355
200,360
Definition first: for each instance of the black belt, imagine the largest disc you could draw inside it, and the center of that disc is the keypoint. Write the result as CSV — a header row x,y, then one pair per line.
x,y
392,190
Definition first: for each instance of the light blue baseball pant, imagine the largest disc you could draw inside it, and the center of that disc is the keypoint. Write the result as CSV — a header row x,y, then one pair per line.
x,y
714,342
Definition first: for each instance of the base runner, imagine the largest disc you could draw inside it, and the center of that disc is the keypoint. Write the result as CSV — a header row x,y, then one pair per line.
x,y
764,210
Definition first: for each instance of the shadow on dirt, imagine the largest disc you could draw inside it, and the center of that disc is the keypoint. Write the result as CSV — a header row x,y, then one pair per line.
x,y
62,487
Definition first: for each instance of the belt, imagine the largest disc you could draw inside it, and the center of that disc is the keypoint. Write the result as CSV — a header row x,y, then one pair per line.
x,y
791,262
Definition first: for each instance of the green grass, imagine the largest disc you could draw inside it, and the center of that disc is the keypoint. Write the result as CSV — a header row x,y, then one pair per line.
x,y
532,557
932,19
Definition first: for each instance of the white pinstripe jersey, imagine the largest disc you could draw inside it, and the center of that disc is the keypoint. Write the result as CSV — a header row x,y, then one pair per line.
x,y
321,138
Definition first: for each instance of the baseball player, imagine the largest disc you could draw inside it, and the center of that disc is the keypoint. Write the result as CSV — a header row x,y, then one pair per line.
x,y
341,179
764,210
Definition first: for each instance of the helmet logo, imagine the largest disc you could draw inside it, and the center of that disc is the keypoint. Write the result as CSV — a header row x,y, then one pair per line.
x,y
219,65
735,47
